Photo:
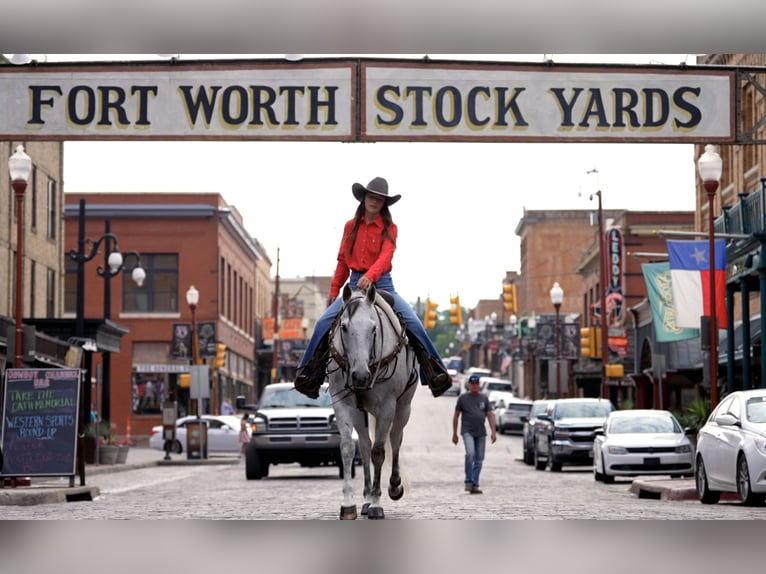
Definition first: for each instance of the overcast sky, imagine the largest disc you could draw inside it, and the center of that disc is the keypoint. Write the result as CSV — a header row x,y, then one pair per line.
x,y
461,202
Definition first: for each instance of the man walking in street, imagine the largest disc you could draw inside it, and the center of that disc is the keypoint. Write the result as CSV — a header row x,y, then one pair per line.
x,y
474,407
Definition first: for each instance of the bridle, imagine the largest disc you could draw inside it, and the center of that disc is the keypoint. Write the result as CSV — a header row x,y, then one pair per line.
x,y
377,367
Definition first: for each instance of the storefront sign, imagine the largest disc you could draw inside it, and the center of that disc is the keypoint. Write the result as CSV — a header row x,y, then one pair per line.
x,y
406,101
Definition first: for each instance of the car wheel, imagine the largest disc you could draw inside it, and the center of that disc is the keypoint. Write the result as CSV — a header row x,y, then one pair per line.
x,y
255,467
597,476
539,464
706,496
555,465
744,490
529,457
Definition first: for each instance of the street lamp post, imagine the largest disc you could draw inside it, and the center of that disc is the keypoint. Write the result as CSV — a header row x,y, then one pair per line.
x,y
557,297
532,325
710,167
602,291
19,167
113,264
192,298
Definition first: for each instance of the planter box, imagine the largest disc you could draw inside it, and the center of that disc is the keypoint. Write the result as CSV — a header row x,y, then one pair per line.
x,y
122,454
107,453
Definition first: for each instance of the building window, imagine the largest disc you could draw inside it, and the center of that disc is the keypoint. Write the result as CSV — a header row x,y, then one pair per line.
x,y
52,209
70,285
50,294
159,293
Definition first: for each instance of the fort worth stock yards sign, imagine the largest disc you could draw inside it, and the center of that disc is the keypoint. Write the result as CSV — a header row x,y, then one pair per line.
x,y
366,100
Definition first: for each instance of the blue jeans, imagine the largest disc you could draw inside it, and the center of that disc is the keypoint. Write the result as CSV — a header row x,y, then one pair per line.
x,y
474,457
411,321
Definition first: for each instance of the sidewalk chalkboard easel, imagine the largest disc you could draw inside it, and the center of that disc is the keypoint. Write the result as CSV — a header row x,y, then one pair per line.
x,y
40,418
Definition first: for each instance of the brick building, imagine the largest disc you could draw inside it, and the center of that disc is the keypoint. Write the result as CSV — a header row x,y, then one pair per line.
x,y
183,240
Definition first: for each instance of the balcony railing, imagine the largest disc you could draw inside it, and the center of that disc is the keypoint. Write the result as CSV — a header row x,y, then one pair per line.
x,y
746,217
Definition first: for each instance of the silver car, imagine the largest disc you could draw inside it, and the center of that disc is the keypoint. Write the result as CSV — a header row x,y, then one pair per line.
x,y
641,442
511,414
222,434
731,449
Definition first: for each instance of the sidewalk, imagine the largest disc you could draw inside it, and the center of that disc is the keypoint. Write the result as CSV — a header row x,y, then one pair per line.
x,y
47,490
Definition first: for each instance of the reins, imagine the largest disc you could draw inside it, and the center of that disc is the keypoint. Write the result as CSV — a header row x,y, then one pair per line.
x,y
376,367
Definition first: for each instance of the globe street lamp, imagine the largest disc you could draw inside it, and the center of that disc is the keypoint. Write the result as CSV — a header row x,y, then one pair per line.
x,y
557,297
113,264
19,167
710,167
192,298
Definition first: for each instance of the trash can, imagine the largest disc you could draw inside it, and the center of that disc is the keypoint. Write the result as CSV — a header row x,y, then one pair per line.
x,y
196,440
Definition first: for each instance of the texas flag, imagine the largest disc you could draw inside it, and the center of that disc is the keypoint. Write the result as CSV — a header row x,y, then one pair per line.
x,y
690,277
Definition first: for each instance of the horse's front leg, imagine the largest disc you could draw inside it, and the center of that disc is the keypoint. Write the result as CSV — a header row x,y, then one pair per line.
x,y
347,508
378,458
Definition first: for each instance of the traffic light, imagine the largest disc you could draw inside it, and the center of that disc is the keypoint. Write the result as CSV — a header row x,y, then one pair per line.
x,y
616,371
220,355
590,342
509,298
455,312
184,380
429,318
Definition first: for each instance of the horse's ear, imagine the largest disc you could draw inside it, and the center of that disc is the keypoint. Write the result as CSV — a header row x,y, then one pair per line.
x,y
371,293
346,293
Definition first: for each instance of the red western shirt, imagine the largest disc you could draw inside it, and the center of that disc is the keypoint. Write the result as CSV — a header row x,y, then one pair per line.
x,y
368,256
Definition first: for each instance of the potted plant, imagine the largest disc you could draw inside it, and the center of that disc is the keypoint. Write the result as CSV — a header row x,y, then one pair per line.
x,y
694,417
107,448
95,431
123,449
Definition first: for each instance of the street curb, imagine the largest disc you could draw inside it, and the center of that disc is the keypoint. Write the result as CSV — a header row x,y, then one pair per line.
x,y
32,495
661,490
49,494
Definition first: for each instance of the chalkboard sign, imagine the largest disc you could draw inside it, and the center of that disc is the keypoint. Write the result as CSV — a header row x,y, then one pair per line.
x,y
40,414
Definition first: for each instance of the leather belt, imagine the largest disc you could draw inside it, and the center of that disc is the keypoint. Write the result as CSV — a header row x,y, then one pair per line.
x,y
360,271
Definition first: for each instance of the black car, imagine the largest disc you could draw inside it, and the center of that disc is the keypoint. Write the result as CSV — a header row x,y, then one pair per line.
x,y
528,430
565,432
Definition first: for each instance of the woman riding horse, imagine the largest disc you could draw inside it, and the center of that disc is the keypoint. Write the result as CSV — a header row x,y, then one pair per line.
x,y
364,258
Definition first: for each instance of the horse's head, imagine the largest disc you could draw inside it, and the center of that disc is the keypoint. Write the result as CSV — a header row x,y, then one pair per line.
x,y
358,331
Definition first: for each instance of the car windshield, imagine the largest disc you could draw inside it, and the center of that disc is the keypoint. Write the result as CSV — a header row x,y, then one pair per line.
x,y
647,424
519,407
583,410
756,410
499,386
290,398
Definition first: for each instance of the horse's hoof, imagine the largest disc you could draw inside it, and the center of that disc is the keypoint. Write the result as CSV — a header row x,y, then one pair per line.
x,y
348,512
365,508
375,513
395,492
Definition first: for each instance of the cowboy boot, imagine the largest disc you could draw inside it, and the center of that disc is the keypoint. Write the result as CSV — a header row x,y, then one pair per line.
x,y
437,377
311,377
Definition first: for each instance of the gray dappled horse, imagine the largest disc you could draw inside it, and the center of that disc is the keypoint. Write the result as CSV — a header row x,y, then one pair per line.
x,y
372,371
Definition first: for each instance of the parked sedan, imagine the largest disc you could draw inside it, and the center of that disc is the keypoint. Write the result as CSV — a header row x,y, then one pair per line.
x,y
511,414
528,431
731,449
222,434
641,442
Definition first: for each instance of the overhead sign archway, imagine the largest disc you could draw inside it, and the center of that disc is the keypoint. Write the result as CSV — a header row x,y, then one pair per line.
x,y
364,100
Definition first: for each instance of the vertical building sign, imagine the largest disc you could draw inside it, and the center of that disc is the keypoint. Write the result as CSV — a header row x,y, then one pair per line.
x,y
614,275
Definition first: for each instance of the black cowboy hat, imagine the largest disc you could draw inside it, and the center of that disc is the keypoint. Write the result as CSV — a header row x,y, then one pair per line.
x,y
378,186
